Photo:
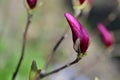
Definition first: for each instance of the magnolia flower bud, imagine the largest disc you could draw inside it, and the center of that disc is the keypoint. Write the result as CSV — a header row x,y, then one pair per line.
x,y
79,34
32,3
107,37
81,1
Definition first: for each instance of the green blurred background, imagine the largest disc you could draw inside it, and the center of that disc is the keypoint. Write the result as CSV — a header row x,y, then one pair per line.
x,y
46,27
48,24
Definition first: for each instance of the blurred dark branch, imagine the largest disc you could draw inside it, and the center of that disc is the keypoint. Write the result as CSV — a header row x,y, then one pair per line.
x,y
110,18
55,48
23,46
43,75
113,15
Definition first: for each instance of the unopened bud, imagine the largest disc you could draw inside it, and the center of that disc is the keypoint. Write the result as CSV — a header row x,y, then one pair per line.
x,y
81,1
80,35
106,36
32,3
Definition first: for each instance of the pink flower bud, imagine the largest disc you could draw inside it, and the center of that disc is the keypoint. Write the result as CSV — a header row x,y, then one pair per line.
x,y
80,35
105,34
32,3
81,1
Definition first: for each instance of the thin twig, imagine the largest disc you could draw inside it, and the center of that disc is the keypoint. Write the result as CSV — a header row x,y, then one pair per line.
x,y
55,48
113,15
23,46
109,19
61,68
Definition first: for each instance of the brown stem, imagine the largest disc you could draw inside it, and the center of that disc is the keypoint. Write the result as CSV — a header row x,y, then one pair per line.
x,y
112,16
55,48
61,68
23,47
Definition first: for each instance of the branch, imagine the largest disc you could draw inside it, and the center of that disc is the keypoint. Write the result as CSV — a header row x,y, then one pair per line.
x,y
43,75
23,46
55,48
113,15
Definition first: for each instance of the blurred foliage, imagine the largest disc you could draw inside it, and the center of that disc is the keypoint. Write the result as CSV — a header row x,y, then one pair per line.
x,y
8,64
40,38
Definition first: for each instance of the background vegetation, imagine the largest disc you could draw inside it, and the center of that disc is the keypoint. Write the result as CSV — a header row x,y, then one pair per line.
x,y
48,24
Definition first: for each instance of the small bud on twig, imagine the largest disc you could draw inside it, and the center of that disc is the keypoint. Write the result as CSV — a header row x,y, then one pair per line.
x,y
34,72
